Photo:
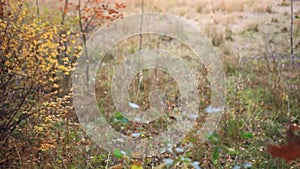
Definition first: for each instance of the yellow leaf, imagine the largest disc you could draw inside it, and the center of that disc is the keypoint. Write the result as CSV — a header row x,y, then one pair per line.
x,y
137,165
65,59
55,85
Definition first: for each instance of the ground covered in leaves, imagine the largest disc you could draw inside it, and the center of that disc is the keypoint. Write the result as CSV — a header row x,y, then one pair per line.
x,y
251,37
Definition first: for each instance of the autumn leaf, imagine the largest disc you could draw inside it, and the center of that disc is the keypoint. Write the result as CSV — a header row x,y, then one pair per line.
x,y
121,5
290,151
287,152
136,165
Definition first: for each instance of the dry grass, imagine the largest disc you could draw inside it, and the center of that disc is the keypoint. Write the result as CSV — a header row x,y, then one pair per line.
x,y
253,27
199,6
257,99
205,11
297,26
204,6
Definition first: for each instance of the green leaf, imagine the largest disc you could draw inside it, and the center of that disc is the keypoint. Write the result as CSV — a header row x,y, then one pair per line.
x,y
214,138
119,116
216,153
248,135
117,153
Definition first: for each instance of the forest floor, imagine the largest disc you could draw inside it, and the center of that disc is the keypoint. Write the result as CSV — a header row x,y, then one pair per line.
x,y
252,38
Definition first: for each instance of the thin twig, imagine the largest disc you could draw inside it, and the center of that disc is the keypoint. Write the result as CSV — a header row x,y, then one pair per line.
x,y
291,31
140,75
64,12
82,29
37,8
106,167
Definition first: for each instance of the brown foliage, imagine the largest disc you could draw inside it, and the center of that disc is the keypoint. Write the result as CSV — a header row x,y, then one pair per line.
x,y
1,9
290,151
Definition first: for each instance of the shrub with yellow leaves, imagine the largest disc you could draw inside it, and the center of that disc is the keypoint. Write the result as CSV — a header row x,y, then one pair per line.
x,y
38,52
29,66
